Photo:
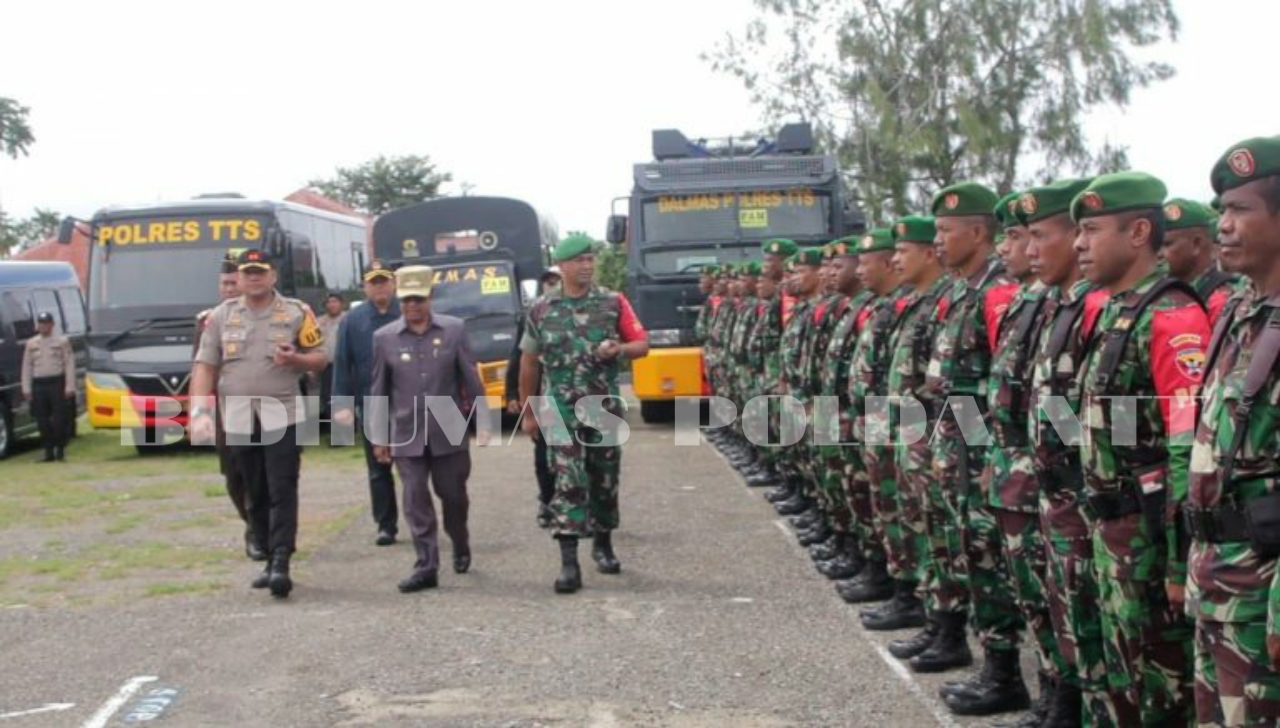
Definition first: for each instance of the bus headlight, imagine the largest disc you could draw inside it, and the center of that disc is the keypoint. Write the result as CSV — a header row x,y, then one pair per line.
x,y
106,380
664,337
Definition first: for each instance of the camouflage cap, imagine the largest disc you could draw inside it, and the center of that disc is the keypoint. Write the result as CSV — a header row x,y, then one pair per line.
x,y
414,281
915,229
876,240
573,246
965,198
807,256
1246,161
1042,203
1118,192
1181,213
780,246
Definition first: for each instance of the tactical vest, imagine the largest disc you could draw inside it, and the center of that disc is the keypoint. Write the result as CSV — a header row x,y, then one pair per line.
x,y
1015,387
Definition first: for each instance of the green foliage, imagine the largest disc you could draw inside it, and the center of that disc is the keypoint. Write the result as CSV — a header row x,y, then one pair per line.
x,y
384,183
18,234
913,96
15,132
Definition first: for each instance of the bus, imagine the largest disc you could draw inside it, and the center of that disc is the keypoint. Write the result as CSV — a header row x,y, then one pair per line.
x,y
487,253
153,268
706,203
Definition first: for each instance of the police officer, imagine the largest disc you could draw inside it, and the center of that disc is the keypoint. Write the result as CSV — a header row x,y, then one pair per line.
x,y
573,341
255,348
48,381
254,548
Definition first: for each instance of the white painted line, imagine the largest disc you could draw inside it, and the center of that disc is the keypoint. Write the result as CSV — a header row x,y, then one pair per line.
x,y
943,718
782,526
46,708
117,701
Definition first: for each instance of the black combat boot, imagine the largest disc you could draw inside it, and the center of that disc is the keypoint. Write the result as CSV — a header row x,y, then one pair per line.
x,y
1064,711
602,553
252,548
904,611
794,506
1039,709
968,686
570,579
263,580
871,585
806,520
949,650
1004,690
48,455
826,550
60,453
847,563
279,581
912,646
782,492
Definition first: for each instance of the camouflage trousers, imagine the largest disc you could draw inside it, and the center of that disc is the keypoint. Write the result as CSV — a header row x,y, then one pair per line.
x,y
1024,550
902,555
946,500
856,484
1072,591
915,480
1235,682
830,463
1147,646
994,609
586,496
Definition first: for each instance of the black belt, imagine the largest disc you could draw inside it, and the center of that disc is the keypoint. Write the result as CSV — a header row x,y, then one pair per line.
x,y
1062,473
1223,524
1114,504
49,380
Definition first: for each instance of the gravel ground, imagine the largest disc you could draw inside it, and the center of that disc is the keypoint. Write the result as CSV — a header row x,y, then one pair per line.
x,y
717,619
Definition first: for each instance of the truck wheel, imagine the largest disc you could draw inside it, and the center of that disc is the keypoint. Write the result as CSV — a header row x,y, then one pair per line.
x,y
655,412
6,432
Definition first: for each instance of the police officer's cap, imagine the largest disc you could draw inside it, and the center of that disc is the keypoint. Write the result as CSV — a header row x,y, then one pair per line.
x,y
44,317
377,269
253,259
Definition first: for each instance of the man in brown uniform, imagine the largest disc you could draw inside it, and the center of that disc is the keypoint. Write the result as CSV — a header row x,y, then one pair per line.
x,y
420,360
255,347
48,381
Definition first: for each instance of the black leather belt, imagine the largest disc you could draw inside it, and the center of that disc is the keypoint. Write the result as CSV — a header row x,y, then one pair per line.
x,y
1062,473
1114,504
1224,524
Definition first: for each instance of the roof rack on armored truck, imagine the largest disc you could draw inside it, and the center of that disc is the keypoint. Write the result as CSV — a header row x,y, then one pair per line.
x,y
796,138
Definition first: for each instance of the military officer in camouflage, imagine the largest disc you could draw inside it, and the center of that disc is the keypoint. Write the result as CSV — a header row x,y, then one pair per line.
x,y
908,358
1191,252
1139,379
1234,492
573,342
802,285
767,339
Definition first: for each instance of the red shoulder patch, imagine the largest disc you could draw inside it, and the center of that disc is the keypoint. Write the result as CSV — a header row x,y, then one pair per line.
x,y
1094,302
997,301
860,322
1179,337
944,305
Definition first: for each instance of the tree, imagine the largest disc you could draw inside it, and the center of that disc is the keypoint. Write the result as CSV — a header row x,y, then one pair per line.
x,y
384,183
915,96
15,133
16,235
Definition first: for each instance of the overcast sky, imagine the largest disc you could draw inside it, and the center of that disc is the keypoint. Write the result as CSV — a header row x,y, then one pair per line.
x,y
551,102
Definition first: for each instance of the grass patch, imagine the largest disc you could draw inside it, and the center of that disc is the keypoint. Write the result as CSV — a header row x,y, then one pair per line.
x,y
164,590
209,520
215,491
126,523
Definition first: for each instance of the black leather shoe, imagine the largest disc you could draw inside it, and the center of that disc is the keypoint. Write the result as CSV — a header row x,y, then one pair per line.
x,y
817,534
779,494
385,539
461,563
1002,690
950,650
570,579
912,646
825,550
279,581
545,518
838,568
762,479
263,580
417,583
1039,712
871,585
806,519
251,547
904,611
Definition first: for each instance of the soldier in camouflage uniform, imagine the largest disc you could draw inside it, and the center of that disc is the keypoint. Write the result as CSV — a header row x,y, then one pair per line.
x,y
803,287
1009,482
1139,382
1190,251
706,287
843,474
574,339
972,577
745,373
1233,592
870,481
919,321
1071,307
768,339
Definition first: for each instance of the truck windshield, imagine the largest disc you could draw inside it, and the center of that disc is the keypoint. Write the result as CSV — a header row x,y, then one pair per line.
x,y
728,216
468,291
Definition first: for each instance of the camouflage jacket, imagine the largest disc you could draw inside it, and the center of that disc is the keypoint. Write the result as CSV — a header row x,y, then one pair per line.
x,y
565,332
919,321
1229,582
961,361
836,362
1071,315
706,312
744,322
794,336
1009,478
869,368
1151,398
826,314
765,344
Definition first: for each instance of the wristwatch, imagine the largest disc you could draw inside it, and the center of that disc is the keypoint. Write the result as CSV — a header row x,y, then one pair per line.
x,y
197,411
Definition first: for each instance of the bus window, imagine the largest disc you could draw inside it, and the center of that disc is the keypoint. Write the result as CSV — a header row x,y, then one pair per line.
x,y
72,309
17,307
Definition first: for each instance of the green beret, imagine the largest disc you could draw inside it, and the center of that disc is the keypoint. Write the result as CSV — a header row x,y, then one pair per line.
x,y
1216,204
846,247
915,229
1006,211
572,247
710,270
780,246
1111,194
1180,213
1042,203
808,256
876,240
965,198
1245,162
751,269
